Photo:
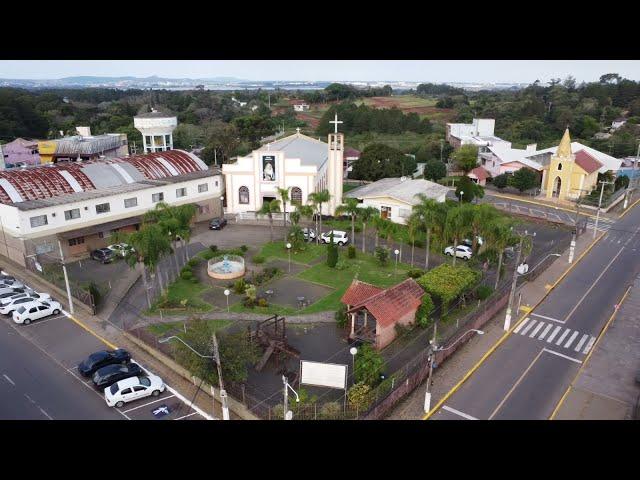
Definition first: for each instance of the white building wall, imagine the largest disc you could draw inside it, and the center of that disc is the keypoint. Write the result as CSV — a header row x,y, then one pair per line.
x,y
19,224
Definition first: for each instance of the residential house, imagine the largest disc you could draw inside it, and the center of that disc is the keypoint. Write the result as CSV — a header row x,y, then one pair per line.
x,y
395,197
20,152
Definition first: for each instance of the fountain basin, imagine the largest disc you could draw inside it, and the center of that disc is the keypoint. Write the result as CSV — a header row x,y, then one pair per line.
x,y
226,267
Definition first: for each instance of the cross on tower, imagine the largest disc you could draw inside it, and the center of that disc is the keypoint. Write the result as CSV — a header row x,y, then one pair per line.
x,y
268,146
336,122
298,130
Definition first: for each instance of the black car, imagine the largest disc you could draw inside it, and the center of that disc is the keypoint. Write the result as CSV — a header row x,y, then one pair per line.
x,y
104,255
217,223
101,359
107,376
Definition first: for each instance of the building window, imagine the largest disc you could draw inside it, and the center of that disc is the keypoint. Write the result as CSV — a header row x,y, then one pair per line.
x,y
559,166
167,139
130,202
244,195
147,139
296,195
216,183
385,212
38,221
203,187
157,197
71,214
76,241
103,208
181,192
158,140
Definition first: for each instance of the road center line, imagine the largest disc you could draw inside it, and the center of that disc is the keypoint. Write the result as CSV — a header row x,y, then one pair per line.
x,y
9,380
150,403
458,412
562,355
515,385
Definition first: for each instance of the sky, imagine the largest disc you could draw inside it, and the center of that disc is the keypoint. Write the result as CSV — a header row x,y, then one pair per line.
x,y
508,71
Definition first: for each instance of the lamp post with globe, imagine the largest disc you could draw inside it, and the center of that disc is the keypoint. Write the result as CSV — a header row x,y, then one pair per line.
x,y
226,294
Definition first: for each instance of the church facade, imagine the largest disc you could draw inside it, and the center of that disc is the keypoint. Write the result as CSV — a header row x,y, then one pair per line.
x,y
299,163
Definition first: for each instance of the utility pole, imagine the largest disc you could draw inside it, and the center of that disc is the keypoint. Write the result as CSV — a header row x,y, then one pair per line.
x,y
600,205
223,392
512,293
574,233
441,149
215,156
66,277
427,395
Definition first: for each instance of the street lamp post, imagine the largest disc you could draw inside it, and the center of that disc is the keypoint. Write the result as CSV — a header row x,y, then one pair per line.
x,y
461,194
288,415
353,351
395,271
434,349
289,251
216,358
599,206
226,294
222,206
507,318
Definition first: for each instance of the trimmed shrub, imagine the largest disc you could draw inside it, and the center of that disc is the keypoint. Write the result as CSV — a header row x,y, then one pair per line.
x,y
351,251
483,292
415,273
423,314
501,181
382,255
263,302
332,253
239,286
194,261
359,396
341,316
208,255
213,248
186,275
244,248
258,259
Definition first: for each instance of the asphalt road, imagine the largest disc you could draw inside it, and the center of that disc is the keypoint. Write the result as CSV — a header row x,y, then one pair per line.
x,y
529,372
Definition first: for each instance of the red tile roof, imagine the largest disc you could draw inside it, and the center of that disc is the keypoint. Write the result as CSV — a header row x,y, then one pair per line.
x,y
480,173
393,303
587,162
358,292
351,152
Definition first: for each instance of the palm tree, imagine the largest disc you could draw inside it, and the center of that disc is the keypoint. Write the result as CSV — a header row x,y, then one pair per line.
x,y
379,224
431,215
185,215
314,208
366,214
499,236
483,216
269,208
320,198
458,225
284,197
162,216
413,226
151,243
350,207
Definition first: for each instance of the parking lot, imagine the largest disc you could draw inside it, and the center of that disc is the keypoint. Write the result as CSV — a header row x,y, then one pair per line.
x,y
58,343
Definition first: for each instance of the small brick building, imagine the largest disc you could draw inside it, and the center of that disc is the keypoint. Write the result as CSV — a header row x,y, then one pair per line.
x,y
374,312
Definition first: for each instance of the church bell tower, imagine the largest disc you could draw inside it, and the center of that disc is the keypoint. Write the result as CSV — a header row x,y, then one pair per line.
x,y
335,167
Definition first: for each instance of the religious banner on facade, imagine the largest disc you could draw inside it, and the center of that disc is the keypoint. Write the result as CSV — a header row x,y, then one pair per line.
x,y
269,168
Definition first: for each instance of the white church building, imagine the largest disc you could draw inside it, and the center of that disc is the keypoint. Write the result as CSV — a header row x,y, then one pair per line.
x,y
299,163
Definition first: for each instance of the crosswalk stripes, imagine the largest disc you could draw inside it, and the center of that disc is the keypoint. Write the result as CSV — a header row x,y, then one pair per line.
x,y
539,329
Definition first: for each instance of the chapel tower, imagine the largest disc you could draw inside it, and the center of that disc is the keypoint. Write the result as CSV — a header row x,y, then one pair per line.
x,y
335,168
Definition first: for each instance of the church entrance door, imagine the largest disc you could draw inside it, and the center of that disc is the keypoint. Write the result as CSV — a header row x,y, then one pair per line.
x,y
267,199
557,185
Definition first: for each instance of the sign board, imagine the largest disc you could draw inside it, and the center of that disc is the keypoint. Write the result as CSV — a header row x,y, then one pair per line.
x,y
319,374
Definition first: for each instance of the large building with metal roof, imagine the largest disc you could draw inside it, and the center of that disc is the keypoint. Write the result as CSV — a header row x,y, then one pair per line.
x,y
82,203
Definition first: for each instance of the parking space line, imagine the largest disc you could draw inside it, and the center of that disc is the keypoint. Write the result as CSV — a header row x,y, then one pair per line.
x,y
458,412
185,416
9,380
86,384
562,355
150,403
40,322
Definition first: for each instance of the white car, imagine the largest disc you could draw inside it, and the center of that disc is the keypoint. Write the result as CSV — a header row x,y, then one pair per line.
x,y
309,234
340,237
5,285
133,388
7,308
469,243
121,249
461,252
31,294
28,312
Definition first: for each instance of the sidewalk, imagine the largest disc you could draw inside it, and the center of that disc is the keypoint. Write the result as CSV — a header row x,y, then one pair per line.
x,y
456,366
605,388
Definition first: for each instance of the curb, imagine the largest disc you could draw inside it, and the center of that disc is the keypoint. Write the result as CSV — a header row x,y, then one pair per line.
x,y
506,334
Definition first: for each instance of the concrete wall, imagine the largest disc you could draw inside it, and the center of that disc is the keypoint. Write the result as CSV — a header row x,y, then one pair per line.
x,y
386,335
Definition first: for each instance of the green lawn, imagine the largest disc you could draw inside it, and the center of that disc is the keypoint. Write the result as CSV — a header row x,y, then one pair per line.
x,y
402,141
160,329
277,250
185,290
348,186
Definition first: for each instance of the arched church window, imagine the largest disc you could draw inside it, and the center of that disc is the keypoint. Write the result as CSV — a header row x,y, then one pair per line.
x,y
243,194
296,195
559,166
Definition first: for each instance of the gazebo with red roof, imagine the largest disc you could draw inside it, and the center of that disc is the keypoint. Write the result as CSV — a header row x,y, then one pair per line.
x,y
374,312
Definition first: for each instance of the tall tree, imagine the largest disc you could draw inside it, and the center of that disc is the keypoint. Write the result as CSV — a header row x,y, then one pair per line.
x,y
351,208
284,197
499,235
466,158
320,198
268,209
457,225
431,215
482,216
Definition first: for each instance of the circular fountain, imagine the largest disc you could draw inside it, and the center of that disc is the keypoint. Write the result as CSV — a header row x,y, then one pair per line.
x,y
226,267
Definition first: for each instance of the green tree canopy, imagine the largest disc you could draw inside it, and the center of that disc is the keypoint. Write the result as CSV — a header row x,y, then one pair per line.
x,y
381,161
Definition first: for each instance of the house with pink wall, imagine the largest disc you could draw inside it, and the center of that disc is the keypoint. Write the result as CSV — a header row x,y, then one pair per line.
x,y
20,151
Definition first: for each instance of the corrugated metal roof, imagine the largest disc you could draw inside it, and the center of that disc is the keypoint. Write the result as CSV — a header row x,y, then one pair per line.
x,y
88,145
310,151
405,191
